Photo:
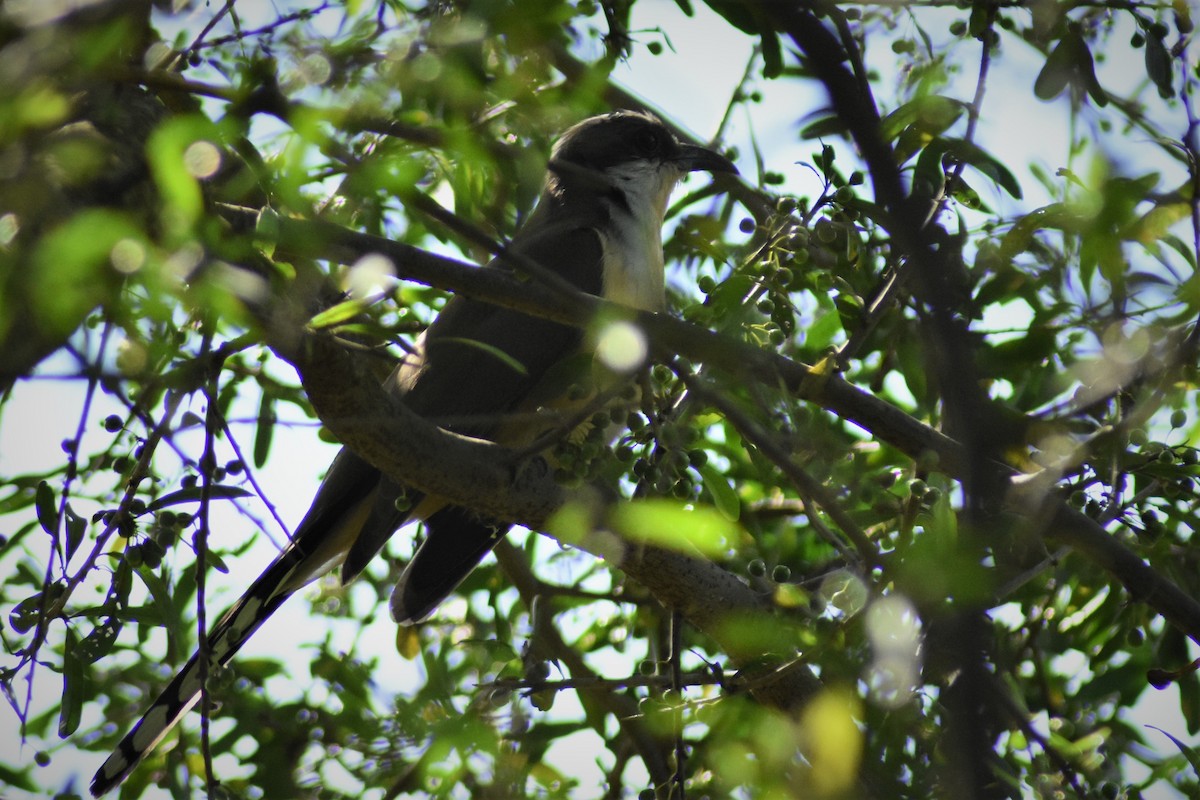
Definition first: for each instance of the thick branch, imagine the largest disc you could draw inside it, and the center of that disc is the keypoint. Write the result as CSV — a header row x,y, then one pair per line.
x,y
667,335
495,488
483,476
381,429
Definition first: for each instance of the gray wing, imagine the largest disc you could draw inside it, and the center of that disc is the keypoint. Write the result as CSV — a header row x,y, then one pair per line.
x,y
470,389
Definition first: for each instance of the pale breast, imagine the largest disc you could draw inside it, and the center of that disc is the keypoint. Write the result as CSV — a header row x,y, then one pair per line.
x,y
633,262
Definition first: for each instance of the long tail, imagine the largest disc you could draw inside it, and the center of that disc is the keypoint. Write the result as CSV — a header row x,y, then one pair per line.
x,y
347,507
456,541
260,601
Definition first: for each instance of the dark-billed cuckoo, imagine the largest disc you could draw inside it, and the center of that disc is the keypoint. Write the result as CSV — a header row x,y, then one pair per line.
x,y
598,225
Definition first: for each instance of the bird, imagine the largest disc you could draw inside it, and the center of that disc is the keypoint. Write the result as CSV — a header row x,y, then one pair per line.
x,y
598,226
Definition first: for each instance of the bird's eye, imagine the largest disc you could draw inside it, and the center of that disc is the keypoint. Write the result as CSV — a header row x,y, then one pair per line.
x,y
646,142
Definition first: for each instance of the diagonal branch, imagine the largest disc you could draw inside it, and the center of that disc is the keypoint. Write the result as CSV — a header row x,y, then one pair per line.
x,y
484,476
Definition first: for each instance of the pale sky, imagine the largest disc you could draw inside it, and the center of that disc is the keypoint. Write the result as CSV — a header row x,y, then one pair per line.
x,y
692,86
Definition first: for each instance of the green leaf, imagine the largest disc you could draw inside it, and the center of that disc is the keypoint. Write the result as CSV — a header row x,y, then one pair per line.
x,y
1158,65
47,508
965,194
1183,16
194,494
499,354
1154,225
976,157
724,495
26,613
217,563
264,429
931,114
190,419
74,688
772,54
1188,752
1087,70
17,780
570,523
825,328
748,19
73,263
822,128
929,176
341,312
1020,235
163,604
670,524
1189,702
1055,73
99,642
1073,750
168,150
76,525
266,230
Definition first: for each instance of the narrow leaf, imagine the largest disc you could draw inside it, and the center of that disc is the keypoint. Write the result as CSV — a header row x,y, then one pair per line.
x,y
193,494
1157,221
17,780
76,525
979,19
1158,65
499,354
975,156
265,429
929,176
968,197
47,508
26,614
74,693
1086,66
1188,752
822,128
724,496
1056,72
99,643
337,314
931,114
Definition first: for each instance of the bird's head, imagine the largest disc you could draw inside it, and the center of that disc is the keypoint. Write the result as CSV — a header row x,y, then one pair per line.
x,y
629,157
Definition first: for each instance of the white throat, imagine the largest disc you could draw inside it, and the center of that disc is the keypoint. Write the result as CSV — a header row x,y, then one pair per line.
x,y
633,256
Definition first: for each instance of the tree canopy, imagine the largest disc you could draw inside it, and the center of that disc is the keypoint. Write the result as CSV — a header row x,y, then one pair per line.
x,y
906,507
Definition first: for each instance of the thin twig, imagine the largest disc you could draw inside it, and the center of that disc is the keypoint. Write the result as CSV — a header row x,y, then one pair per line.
x,y
770,447
208,461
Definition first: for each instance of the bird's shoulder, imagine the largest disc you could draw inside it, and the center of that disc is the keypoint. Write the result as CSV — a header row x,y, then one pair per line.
x,y
574,250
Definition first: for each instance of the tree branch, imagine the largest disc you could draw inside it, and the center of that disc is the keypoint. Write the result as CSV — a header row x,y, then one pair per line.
x,y
484,476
